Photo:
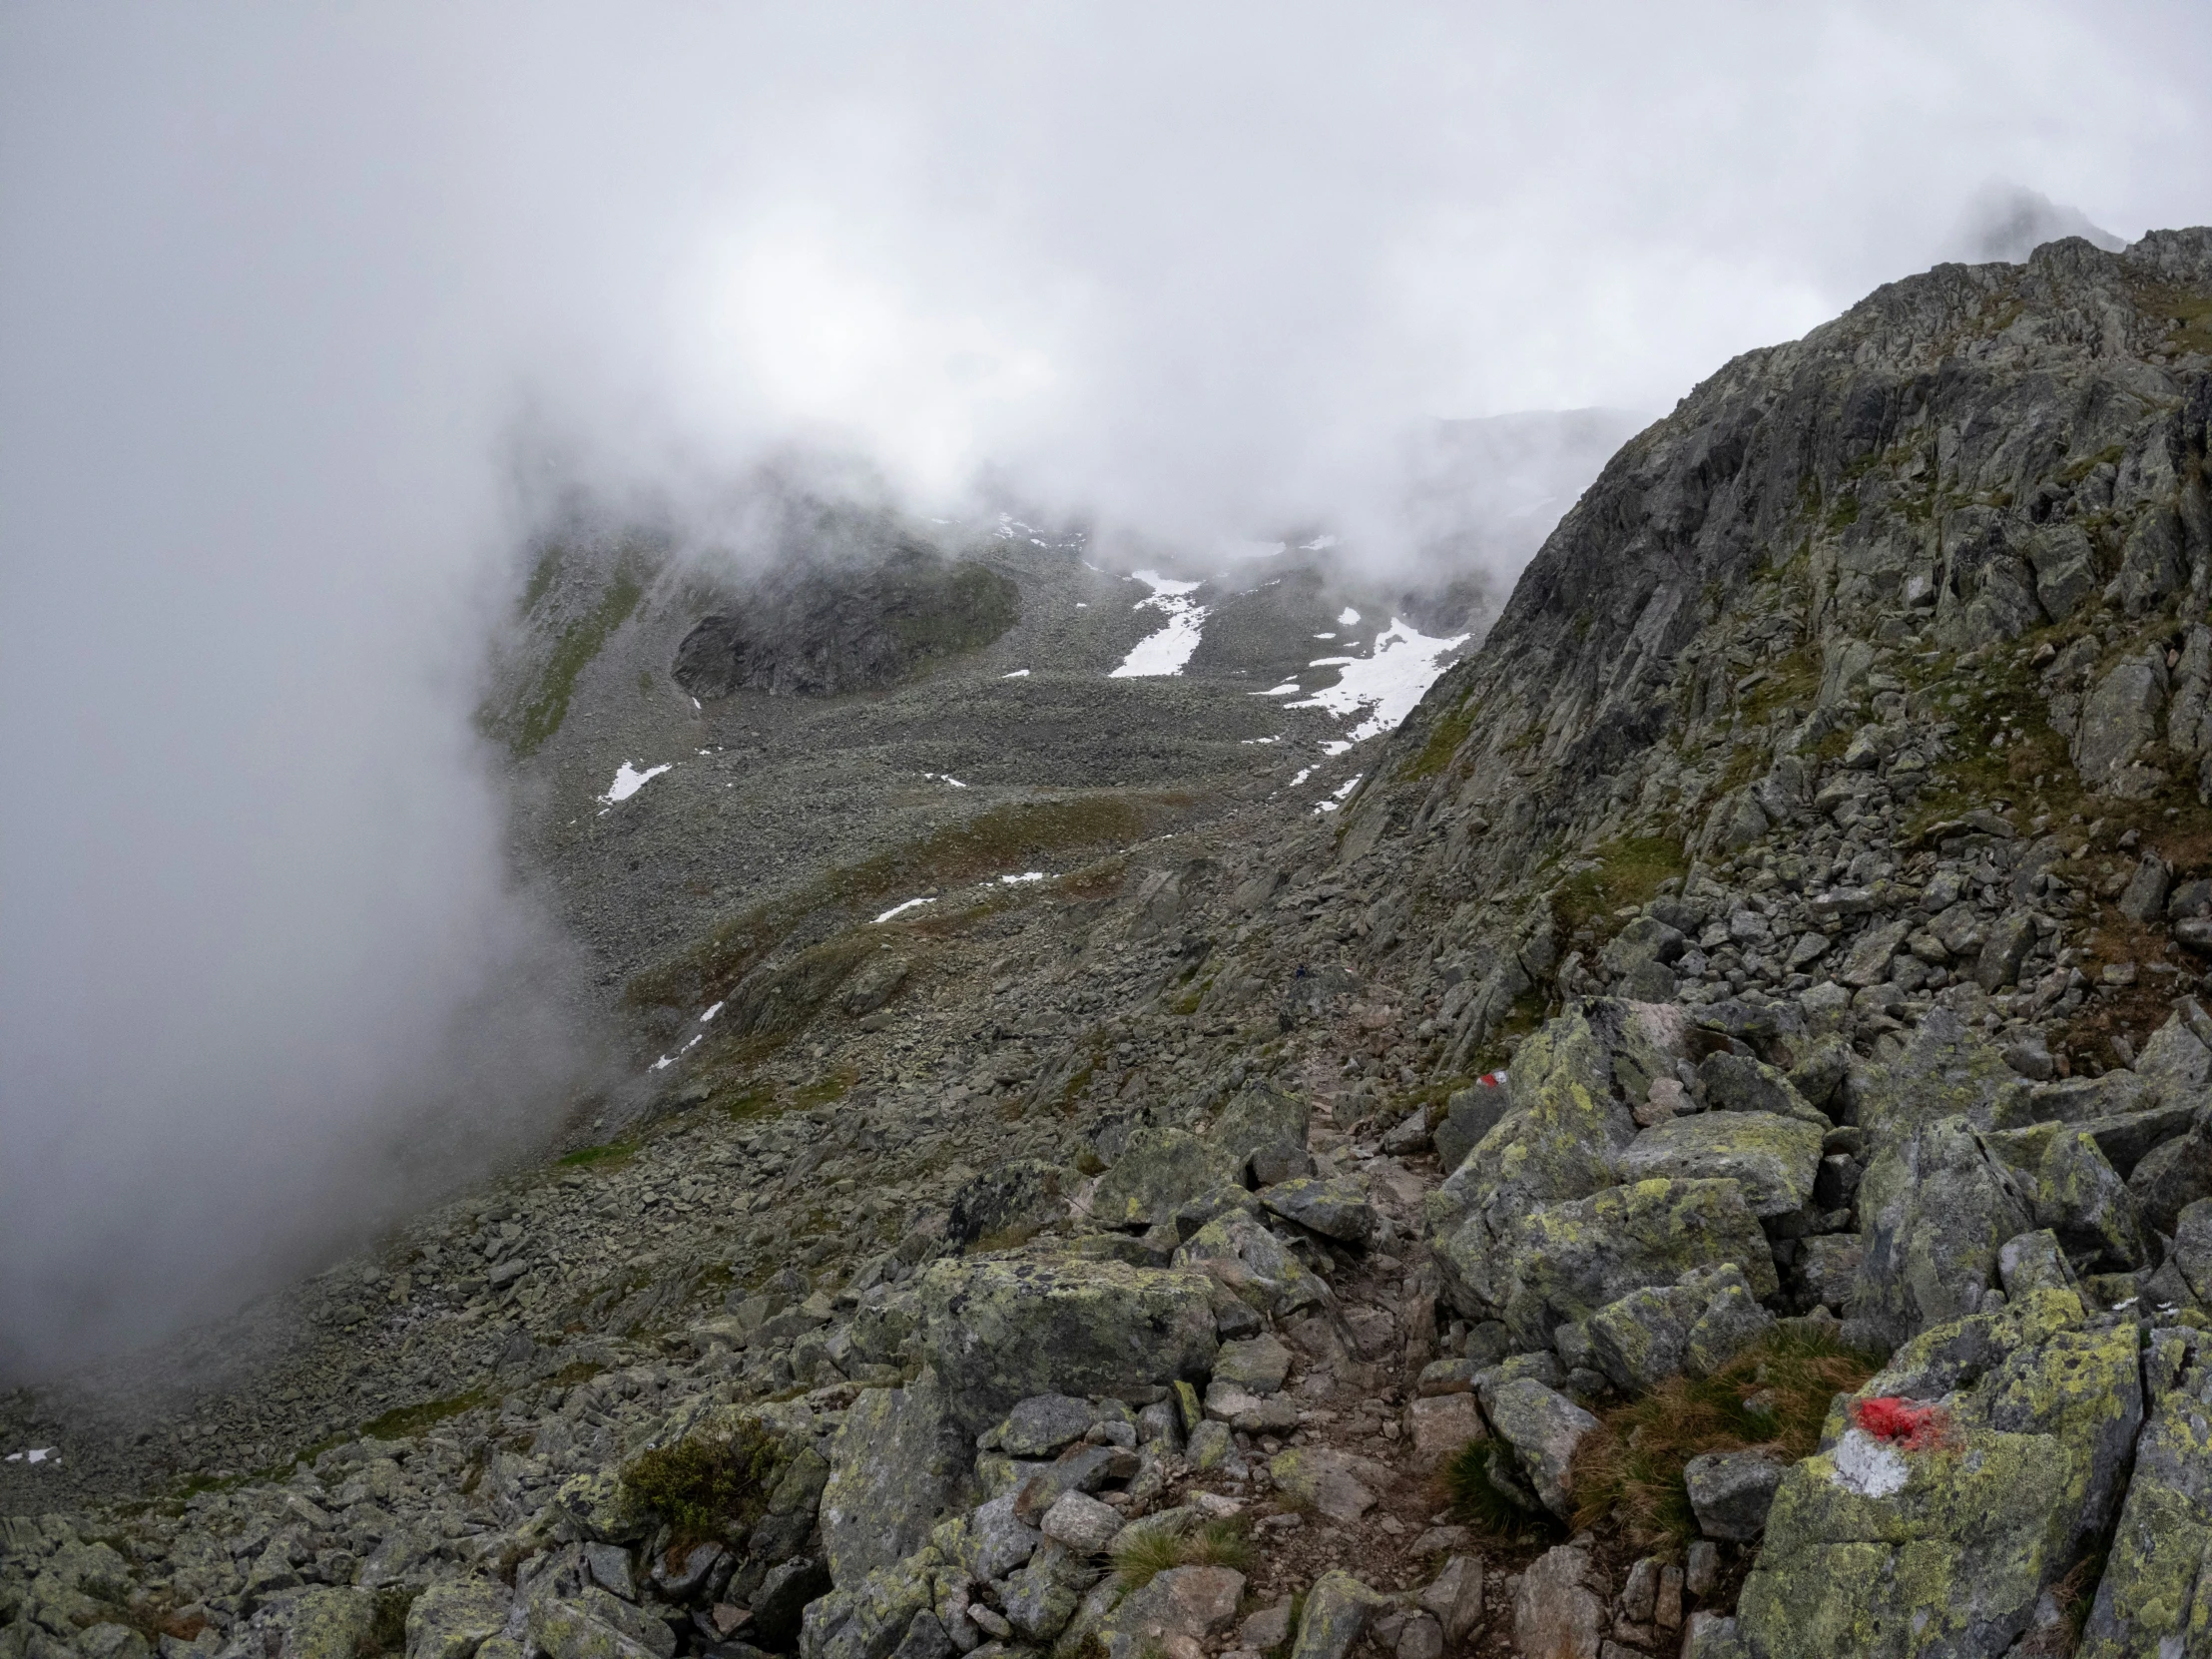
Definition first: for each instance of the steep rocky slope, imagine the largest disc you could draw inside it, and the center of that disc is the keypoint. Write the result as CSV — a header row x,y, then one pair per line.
x,y
1113,1260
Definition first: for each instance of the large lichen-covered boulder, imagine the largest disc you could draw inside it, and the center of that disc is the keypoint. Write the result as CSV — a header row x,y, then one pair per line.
x,y
1335,1208
1564,1262
1696,1325
1236,1251
1543,1429
1159,1172
453,1617
1772,1158
868,1619
2034,1262
1197,1603
1469,1114
1934,1527
106,1640
1572,1085
1746,1083
1043,1594
894,1468
781,1536
2171,1177
1570,1092
997,1332
594,1505
1934,1209
1264,1130
1041,1425
2155,1596
1336,1613
2191,1258
2081,1197
336,1623
2125,1138
1945,1070
2175,1061
593,1624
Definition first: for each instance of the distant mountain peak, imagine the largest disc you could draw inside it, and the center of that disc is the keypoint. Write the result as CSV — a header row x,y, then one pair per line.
x,y
2008,221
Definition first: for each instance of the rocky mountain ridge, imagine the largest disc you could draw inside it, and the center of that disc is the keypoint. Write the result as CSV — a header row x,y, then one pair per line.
x,y
1151,1257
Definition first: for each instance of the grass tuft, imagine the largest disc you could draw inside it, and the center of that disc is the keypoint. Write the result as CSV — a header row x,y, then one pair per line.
x,y
407,1421
1220,1543
706,1486
615,1152
388,1632
1480,1501
1772,1398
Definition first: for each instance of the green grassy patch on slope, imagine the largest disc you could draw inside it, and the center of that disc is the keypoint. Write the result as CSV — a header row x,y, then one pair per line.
x,y
1628,872
543,704
1451,730
994,841
1772,1398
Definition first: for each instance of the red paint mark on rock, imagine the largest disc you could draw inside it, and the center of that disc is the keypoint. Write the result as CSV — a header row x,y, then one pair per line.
x,y
1901,1422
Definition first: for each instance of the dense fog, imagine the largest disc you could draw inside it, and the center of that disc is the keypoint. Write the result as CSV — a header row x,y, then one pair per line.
x,y
285,291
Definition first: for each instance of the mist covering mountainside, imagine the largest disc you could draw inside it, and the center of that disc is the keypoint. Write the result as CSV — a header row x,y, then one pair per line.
x,y
1072,1114
873,835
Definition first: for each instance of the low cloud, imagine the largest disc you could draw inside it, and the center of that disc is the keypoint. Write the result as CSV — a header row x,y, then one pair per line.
x,y
283,285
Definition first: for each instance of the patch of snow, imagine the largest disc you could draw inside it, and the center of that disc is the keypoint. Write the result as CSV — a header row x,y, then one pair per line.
x,y
1289,688
36,1454
901,909
708,1018
1303,772
628,781
1347,617
1019,674
695,702
1338,795
945,778
1169,649
664,1062
1082,604
1386,683
1324,635
698,1037
1869,1467
1025,875
1320,544
1277,738
1334,747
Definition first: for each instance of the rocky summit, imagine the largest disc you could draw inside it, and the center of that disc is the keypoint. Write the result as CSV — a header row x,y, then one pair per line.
x,y
1699,1140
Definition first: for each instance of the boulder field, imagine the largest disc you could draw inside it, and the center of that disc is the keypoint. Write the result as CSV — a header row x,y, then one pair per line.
x,y
1707,1150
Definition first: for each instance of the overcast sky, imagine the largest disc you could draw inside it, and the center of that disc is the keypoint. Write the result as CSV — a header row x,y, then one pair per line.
x,y
279,283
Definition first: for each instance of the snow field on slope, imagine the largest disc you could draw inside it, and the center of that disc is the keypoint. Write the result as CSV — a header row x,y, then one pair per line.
x,y
1169,649
1386,683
